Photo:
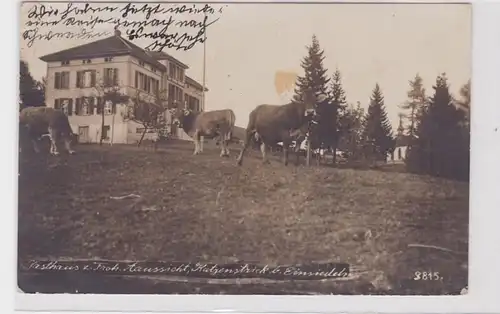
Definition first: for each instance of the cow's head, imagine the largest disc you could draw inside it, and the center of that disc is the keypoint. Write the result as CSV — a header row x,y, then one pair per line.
x,y
310,105
179,115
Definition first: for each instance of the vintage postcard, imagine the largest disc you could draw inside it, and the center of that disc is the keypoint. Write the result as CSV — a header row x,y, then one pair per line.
x,y
244,148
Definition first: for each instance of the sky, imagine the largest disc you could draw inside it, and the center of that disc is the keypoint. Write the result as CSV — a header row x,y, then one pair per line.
x,y
386,44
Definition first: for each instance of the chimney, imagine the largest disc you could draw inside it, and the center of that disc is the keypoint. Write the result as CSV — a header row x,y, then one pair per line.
x,y
117,31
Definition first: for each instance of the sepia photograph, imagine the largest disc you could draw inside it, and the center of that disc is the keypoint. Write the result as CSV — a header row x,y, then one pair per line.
x,y
244,148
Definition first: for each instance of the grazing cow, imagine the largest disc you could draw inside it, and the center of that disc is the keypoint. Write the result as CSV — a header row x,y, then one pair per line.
x,y
36,122
275,123
209,124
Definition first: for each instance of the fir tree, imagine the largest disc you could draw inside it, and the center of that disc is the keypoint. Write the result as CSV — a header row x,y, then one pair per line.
x,y
315,80
377,133
415,105
338,110
441,147
310,86
30,92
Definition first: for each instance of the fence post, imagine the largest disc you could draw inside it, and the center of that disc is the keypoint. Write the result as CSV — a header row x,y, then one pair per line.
x,y
308,155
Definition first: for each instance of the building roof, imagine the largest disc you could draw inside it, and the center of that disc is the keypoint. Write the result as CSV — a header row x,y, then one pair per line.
x,y
110,46
402,140
191,81
160,55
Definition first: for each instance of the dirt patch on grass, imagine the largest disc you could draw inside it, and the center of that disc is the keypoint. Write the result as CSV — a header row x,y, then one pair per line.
x,y
206,209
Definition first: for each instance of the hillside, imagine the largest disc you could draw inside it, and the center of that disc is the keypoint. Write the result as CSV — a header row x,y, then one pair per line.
x,y
204,208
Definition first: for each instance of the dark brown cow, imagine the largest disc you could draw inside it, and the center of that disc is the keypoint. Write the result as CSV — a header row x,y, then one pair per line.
x,y
35,122
209,124
275,123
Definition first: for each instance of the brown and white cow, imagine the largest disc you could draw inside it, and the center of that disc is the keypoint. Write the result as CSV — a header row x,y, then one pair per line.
x,y
36,122
275,124
209,124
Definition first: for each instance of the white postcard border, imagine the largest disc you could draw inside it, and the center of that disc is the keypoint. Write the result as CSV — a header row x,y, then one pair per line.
x,y
485,208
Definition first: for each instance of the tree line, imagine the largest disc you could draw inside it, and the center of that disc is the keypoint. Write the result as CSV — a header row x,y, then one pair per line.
x,y
437,132
436,128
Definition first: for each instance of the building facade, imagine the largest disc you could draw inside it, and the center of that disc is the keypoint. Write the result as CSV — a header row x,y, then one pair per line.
x,y
77,79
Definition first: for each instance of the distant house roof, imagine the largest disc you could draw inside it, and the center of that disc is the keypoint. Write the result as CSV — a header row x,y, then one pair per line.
x,y
402,140
195,84
110,46
160,55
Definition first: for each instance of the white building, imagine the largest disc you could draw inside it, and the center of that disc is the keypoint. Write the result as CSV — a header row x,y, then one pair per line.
x,y
75,77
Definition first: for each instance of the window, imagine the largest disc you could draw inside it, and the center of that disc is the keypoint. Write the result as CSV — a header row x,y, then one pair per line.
x,y
66,62
108,59
85,79
86,61
111,77
85,106
175,95
192,103
146,83
108,107
61,80
65,104
105,132
176,72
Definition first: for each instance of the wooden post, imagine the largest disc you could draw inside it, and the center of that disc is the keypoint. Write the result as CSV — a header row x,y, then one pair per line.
x,y
308,153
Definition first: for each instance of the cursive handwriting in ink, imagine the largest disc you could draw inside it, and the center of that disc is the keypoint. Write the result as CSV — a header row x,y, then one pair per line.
x,y
165,39
165,26
41,11
32,35
71,10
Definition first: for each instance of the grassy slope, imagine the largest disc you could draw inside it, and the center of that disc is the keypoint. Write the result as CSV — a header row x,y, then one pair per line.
x,y
204,208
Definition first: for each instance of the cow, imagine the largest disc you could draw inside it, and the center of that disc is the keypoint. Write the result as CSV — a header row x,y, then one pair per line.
x,y
275,123
210,124
36,122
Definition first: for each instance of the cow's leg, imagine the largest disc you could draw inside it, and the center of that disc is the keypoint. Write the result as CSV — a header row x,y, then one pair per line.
x,y
297,154
246,142
53,136
285,154
67,144
201,139
225,144
196,138
263,149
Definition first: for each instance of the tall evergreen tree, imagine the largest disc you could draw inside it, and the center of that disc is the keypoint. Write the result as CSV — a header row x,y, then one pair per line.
x,y
377,133
337,111
310,86
315,80
30,92
415,103
441,147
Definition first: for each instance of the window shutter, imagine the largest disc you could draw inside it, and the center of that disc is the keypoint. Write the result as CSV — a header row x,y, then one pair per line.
x,y
136,79
115,77
78,104
91,102
57,80
92,78
66,79
79,79
113,108
100,105
70,107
